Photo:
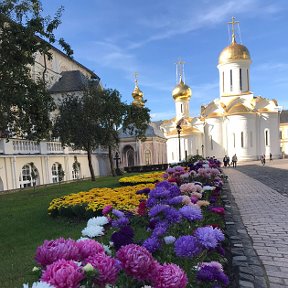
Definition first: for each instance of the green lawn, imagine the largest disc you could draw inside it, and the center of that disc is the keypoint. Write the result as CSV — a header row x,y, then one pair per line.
x,y
25,224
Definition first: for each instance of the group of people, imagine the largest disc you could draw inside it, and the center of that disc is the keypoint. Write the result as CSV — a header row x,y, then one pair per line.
x,y
263,159
226,161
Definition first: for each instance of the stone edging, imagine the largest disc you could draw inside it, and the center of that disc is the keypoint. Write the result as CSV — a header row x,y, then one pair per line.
x,y
244,264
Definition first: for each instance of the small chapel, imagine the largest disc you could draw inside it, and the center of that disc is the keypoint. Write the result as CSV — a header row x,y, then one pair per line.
x,y
238,122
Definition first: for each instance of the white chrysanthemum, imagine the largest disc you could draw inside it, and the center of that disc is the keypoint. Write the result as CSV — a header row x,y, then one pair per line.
x,y
169,239
98,221
39,285
208,188
93,231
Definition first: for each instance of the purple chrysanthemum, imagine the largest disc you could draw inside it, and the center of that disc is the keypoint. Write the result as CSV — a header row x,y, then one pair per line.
x,y
160,229
52,250
152,244
120,222
118,213
63,273
151,202
209,236
187,246
157,209
211,272
145,191
175,200
172,215
191,213
123,237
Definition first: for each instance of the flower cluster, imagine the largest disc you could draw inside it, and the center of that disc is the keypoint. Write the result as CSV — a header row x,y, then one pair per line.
x,y
142,178
124,198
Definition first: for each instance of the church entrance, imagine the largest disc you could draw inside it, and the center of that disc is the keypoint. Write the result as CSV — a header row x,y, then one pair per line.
x,y
129,154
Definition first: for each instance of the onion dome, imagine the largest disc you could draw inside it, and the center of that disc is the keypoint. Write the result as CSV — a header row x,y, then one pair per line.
x,y
181,91
233,53
137,94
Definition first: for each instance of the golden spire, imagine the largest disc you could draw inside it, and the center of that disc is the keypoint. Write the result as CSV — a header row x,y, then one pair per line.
x,y
137,94
233,22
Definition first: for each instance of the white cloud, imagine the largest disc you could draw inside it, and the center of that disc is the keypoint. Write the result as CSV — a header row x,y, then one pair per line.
x,y
162,115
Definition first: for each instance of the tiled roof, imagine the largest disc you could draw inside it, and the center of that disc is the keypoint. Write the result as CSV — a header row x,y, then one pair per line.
x,y
71,81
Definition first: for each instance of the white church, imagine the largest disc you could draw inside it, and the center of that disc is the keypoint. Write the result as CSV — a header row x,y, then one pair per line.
x,y
238,122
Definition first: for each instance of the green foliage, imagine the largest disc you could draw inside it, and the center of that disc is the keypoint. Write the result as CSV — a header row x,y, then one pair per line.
x,y
25,103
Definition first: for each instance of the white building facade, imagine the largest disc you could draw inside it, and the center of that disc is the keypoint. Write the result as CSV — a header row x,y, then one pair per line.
x,y
238,122
26,163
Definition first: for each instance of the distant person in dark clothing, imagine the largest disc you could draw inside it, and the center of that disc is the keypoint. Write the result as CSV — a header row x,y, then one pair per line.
x,y
270,156
225,161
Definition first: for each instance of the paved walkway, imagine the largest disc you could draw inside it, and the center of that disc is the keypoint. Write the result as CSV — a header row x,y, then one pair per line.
x,y
264,213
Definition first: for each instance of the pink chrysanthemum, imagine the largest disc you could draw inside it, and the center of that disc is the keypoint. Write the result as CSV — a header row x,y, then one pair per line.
x,y
107,268
170,276
52,250
136,261
63,274
89,247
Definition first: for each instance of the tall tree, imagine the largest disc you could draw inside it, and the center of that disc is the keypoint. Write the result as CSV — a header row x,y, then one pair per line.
x,y
24,103
93,119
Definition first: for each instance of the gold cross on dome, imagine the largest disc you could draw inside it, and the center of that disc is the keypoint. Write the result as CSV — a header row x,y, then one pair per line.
x,y
136,78
233,22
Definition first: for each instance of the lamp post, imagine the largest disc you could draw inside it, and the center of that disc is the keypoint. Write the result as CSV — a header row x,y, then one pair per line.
x,y
117,158
202,147
179,128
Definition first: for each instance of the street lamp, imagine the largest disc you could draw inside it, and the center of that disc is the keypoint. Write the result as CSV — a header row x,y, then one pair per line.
x,y
179,128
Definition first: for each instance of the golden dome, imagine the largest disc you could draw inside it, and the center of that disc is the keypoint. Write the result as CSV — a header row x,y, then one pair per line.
x,y
181,91
138,96
234,52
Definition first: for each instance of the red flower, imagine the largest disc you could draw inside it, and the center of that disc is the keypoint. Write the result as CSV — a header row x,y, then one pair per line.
x,y
142,209
218,210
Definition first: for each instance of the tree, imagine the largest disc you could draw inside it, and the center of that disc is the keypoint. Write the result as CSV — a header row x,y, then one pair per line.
x,y
25,103
93,119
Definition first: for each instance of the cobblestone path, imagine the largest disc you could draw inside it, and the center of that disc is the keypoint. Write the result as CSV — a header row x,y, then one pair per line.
x,y
264,213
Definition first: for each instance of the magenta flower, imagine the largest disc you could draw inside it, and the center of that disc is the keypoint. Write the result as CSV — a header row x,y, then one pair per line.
x,y
107,269
63,274
170,276
107,209
89,247
136,261
52,250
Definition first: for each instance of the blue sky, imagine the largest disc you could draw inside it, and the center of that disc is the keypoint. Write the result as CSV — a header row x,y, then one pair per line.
x,y
115,38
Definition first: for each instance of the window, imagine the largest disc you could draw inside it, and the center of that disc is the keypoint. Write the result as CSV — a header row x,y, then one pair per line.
x,y
251,139
266,137
181,108
57,173
242,139
240,78
28,175
211,139
248,79
281,134
223,81
148,157
231,81
234,140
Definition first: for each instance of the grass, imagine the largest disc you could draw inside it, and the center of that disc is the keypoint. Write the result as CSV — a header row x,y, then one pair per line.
x,y
25,224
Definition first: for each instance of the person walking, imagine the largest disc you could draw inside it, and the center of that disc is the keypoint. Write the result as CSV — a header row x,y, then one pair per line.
x,y
225,161
234,160
263,160
270,156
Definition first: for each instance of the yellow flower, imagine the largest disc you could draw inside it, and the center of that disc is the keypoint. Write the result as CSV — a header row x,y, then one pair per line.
x,y
142,178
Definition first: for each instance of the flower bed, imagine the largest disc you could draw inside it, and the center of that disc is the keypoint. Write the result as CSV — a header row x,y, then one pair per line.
x,y
142,178
90,203
174,239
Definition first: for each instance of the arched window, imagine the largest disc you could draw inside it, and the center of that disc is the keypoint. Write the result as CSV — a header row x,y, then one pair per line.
x,y
76,169
242,139
231,80
28,176
248,85
267,137
234,140
57,173
240,78
130,157
148,157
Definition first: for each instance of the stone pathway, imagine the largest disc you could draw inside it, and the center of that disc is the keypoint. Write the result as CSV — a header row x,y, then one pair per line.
x,y
264,213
